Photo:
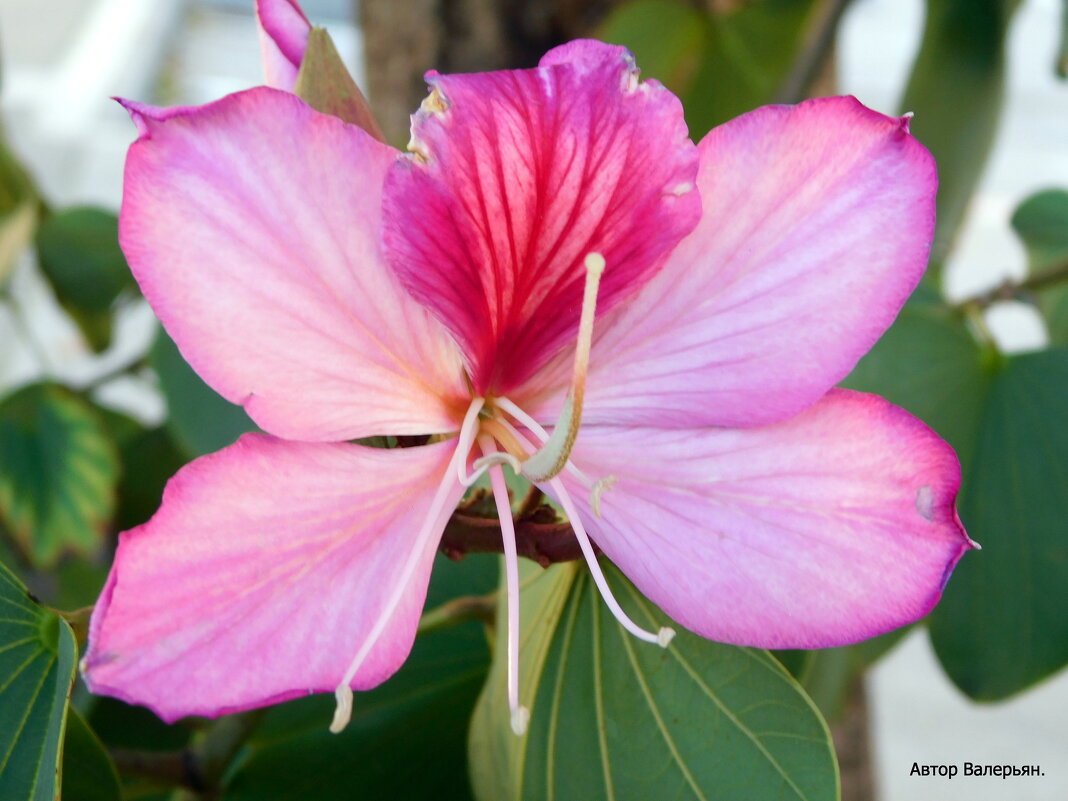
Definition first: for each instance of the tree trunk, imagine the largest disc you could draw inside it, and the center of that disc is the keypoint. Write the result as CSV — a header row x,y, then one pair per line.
x,y
852,741
404,40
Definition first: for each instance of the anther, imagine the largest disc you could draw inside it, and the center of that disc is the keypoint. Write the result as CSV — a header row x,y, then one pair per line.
x,y
343,711
599,489
520,719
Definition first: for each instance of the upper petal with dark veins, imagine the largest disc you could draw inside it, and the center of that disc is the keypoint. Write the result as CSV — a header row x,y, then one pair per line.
x,y
518,176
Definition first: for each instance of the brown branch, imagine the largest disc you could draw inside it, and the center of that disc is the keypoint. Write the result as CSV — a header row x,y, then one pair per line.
x,y
1019,290
538,536
815,51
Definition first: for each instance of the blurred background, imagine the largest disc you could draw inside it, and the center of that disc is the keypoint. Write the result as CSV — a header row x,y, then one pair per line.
x,y
62,60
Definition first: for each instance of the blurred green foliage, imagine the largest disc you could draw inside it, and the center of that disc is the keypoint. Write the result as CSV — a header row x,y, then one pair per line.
x,y
74,473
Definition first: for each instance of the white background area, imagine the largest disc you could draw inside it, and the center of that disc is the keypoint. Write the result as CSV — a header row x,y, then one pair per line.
x,y
62,59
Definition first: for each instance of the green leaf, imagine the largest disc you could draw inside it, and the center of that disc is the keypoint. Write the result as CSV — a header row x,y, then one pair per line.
x,y
79,254
88,772
58,470
19,210
1001,625
667,37
324,83
37,660
1041,222
929,364
149,457
121,725
614,717
417,718
1054,304
720,64
956,90
495,755
200,419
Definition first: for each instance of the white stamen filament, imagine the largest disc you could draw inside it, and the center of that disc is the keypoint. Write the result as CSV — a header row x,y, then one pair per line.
x,y
553,455
468,432
520,715
665,634
428,531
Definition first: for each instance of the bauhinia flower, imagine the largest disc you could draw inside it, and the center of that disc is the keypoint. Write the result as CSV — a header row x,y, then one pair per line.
x,y
556,280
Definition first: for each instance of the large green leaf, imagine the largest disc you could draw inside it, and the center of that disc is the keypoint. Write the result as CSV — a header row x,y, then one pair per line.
x,y
614,717
88,772
79,253
406,739
1041,222
201,420
1001,625
956,90
58,470
37,660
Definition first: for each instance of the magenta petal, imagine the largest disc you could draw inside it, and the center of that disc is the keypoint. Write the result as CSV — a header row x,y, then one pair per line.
x,y
251,225
262,574
829,528
816,227
518,176
283,39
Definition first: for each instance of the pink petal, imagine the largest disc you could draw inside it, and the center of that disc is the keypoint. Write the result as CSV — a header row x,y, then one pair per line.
x,y
252,226
283,39
816,227
262,573
518,176
829,528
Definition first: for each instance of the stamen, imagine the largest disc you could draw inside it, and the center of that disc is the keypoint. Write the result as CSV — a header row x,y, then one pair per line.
x,y
520,714
468,432
429,529
551,458
599,488
483,463
665,634
343,711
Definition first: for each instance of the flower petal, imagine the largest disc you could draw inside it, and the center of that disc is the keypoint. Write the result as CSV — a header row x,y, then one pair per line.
x,y
283,38
251,225
816,227
263,572
518,176
829,528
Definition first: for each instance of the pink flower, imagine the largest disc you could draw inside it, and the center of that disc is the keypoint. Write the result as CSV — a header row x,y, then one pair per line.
x,y
338,289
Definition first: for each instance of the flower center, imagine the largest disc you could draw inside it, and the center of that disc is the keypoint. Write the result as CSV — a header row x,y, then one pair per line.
x,y
495,427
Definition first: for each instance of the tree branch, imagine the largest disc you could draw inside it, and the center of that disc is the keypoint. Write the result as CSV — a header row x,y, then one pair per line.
x,y
538,536
1019,290
816,49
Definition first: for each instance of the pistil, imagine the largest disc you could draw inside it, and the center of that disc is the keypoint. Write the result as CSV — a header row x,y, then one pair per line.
x,y
548,461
